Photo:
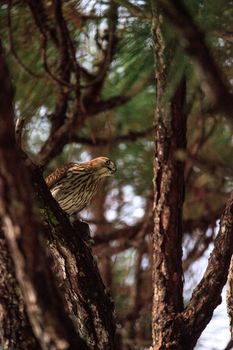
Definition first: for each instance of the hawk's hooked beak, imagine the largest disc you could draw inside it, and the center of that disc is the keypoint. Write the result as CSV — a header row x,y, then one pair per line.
x,y
112,167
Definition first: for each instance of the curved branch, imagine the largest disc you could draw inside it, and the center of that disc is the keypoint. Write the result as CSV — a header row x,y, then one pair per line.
x,y
207,295
57,140
192,39
116,101
98,141
135,10
12,46
111,39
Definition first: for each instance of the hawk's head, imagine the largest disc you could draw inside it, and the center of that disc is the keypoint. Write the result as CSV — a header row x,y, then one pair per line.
x,y
102,166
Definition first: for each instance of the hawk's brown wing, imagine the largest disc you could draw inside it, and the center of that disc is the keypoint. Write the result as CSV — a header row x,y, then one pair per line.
x,y
57,175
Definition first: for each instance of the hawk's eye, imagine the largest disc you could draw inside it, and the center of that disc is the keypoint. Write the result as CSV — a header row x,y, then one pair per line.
x,y
108,162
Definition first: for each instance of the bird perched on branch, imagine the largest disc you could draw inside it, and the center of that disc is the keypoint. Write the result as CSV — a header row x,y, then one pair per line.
x,y
74,184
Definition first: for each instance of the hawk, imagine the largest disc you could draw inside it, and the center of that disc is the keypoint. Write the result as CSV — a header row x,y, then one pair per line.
x,y
74,184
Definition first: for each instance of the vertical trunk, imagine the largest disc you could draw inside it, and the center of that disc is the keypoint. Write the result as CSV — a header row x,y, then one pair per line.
x,y
16,331
170,136
229,297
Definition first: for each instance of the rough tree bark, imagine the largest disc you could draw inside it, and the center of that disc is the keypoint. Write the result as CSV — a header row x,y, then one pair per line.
x,y
174,327
230,297
207,295
15,328
64,297
170,136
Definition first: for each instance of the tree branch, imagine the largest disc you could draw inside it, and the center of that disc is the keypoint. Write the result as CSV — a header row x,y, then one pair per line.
x,y
193,42
25,236
12,46
134,10
116,101
57,140
207,295
81,293
111,39
98,141
65,133
202,242
212,167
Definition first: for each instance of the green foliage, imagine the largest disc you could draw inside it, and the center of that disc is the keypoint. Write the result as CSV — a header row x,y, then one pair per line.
x,y
131,64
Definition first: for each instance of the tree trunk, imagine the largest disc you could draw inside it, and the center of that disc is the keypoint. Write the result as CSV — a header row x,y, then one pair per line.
x,y
16,331
64,296
170,136
174,327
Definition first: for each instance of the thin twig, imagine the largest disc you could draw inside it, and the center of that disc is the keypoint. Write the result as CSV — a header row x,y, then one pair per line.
x,y
12,46
50,74
135,10
131,136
